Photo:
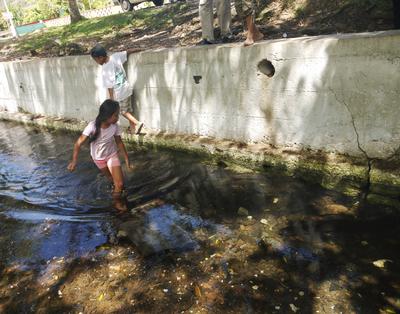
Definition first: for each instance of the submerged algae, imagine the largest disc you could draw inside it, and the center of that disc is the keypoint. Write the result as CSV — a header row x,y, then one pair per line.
x,y
346,174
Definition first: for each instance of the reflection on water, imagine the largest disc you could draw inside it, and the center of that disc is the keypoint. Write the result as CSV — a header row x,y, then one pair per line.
x,y
47,204
166,227
35,188
180,205
46,211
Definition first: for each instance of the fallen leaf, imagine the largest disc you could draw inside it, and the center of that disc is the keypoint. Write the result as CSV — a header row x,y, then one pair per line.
x,y
293,307
197,291
381,263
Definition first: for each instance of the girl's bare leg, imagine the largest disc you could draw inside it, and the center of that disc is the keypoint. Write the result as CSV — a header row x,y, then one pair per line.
x,y
118,179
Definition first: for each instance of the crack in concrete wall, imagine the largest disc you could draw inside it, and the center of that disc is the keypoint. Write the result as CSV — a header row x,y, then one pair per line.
x,y
369,159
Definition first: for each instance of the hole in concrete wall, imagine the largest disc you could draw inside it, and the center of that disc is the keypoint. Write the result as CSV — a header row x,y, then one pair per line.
x,y
266,67
197,78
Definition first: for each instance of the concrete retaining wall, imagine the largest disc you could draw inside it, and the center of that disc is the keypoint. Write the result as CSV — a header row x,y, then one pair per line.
x,y
332,93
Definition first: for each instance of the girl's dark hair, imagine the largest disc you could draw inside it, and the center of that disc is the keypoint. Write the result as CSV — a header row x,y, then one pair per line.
x,y
107,109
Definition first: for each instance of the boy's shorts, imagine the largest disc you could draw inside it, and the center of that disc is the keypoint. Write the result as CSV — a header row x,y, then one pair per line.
x,y
125,105
111,161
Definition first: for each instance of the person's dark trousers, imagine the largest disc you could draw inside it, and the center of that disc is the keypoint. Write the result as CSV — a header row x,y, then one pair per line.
x,y
396,14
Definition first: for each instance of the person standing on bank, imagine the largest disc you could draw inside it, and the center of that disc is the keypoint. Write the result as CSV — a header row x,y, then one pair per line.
x,y
115,80
246,10
207,20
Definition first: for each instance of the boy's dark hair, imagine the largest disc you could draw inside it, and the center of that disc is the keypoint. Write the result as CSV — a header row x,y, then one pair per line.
x,y
107,109
98,51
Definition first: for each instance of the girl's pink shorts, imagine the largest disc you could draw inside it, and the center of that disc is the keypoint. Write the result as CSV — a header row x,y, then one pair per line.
x,y
112,161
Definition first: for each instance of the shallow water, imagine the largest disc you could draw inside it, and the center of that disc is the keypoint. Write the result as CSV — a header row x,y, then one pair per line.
x,y
292,245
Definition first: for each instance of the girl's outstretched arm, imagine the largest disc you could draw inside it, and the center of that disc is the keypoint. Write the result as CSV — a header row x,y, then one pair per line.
x,y
122,149
72,165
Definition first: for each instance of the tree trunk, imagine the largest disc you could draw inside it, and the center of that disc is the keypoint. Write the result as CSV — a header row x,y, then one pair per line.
x,y
396,14
74,11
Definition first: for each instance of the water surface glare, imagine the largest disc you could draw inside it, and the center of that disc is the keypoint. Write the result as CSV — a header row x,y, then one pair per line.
x,y
198,236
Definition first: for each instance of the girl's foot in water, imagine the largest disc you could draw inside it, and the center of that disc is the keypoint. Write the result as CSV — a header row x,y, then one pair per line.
x,y
119,201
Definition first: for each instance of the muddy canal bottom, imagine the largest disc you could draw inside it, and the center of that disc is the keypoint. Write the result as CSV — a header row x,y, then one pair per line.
x,y
199,238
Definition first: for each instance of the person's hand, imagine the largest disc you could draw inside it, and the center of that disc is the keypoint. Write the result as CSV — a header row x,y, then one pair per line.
x,y
72,166
129,167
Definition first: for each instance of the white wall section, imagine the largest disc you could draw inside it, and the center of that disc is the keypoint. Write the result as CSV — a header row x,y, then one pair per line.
x,y
334,93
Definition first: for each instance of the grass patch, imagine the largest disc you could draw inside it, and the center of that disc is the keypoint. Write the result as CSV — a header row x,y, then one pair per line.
x,y
149,19
128,30
300,12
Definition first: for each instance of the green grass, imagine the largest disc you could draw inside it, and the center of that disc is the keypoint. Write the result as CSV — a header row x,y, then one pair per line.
x,y
300,12
373,15
149,19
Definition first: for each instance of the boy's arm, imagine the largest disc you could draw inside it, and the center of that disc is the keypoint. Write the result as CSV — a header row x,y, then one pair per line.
x,y
133,50
121,148
111,93
82,139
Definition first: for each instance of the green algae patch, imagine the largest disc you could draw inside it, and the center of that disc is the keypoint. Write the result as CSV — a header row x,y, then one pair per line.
x,y
383,200
345,174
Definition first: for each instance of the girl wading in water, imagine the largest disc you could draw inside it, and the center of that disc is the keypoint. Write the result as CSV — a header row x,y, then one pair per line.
x,y
104,136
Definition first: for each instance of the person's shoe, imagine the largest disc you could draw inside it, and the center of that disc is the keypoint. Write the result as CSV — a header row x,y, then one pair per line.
x,y
229,38
206,42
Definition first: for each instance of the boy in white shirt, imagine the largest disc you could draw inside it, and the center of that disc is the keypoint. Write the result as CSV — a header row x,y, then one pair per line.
x,y
115,80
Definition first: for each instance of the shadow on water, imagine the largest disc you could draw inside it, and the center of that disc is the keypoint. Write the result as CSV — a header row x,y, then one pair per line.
x,y
198,237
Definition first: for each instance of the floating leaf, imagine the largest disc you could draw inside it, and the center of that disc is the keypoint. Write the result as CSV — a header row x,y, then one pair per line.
x,y
197,291
381,263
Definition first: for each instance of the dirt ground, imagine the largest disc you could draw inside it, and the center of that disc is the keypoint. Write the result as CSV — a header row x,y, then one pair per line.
x,y
276,19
